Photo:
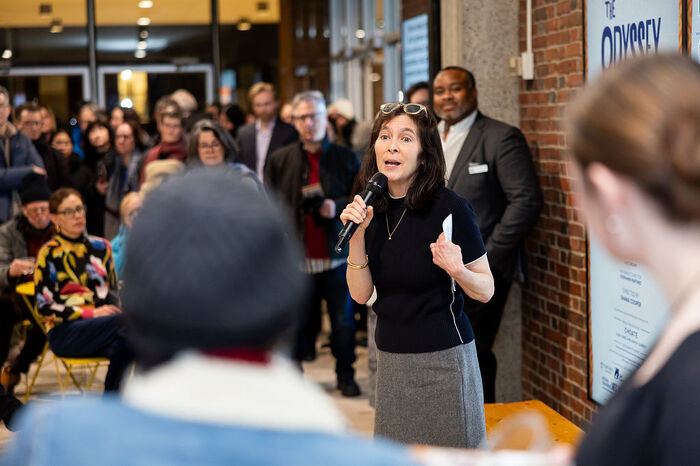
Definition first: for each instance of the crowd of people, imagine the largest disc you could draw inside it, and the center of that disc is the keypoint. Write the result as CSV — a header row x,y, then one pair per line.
x,y
94,179
221,247
103,168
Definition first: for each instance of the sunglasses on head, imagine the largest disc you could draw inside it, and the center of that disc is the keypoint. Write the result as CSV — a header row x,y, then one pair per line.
x,y
410,109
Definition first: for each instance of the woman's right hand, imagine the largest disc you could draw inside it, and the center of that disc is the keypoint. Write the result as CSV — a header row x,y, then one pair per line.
x,y
101,186
357,212
106,310
20,267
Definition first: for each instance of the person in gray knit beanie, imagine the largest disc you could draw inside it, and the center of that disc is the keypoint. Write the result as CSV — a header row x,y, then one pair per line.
x,y
212,279
210,265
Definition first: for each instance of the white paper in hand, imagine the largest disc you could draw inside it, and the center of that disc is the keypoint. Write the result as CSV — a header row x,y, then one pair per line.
x,y
447,229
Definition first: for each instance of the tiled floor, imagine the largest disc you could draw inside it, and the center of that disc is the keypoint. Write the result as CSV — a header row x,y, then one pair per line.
x,y
357,410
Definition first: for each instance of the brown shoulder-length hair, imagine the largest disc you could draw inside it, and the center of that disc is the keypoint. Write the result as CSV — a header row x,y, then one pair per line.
x,y
431,160
58,196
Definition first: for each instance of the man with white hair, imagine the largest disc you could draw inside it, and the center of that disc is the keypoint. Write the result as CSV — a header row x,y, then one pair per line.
x,y
188,107
186,101
315,178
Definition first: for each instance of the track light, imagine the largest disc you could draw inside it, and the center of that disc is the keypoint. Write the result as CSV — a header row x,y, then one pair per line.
x,y
244,25
56,26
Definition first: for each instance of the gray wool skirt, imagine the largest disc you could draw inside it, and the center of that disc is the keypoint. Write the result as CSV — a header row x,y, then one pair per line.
x,y
431,398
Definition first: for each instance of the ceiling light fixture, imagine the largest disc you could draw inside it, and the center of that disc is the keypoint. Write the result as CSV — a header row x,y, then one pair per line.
x,y
244,25
144,21
143,33
56,26
140,53
126,74
145,4
141,45
7,54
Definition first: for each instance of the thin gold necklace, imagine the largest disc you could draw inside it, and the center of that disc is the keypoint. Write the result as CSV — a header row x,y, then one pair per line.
x,y
391,232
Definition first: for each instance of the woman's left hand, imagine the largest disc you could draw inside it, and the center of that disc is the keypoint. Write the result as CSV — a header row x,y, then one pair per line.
x,y
447,255
106,310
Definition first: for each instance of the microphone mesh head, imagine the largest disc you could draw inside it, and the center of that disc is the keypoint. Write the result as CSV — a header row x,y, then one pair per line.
x,y
377,184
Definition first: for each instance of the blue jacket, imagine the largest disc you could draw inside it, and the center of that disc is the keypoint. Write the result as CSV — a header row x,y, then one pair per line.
x,y
107,432
22,156
119,249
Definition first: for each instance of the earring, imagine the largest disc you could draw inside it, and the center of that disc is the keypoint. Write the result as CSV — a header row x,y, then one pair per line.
x,y
613,224
58,229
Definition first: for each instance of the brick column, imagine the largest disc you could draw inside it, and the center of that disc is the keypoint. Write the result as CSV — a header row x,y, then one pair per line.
x,y
555,322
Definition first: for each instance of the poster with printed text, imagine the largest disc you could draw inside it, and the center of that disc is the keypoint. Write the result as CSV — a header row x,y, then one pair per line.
x,y
627,308
618,29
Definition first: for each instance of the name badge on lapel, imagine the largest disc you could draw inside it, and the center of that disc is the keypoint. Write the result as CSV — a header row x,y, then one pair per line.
x,y
475,168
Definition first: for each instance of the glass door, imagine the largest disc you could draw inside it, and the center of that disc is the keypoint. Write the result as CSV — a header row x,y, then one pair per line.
x,y
140,86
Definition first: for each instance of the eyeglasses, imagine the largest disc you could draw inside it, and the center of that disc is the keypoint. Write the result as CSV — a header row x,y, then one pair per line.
x,y
310,116
71,213
212,146
123,136
410,109
38,211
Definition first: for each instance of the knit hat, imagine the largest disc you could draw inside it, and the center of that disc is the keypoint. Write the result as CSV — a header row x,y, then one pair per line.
x,y
342,107
35,188
210,265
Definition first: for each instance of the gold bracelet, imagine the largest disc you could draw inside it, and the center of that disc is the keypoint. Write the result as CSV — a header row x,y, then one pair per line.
x,y
358,267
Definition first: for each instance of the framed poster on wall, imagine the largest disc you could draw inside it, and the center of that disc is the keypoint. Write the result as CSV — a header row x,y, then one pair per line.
x,y
627,309
416,51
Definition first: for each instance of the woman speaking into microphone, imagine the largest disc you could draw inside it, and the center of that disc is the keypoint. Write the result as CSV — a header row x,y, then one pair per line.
x,y
423,252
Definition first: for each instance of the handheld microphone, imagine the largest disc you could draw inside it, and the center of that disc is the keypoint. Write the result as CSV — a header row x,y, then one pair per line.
x,y
375,187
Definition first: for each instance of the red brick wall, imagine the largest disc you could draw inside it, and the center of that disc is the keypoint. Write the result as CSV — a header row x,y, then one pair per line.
x,y
555,322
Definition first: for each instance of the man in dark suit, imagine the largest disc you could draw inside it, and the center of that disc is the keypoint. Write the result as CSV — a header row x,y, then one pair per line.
x,y
488,163
268,133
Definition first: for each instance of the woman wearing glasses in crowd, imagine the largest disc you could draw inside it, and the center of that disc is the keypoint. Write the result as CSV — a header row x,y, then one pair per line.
x,y
210,146
76,290
428,384
124,169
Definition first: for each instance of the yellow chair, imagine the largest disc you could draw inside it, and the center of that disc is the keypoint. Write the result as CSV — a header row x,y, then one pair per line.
x,y
26,290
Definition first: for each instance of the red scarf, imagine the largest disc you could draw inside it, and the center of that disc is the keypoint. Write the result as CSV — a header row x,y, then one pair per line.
x,y
250,355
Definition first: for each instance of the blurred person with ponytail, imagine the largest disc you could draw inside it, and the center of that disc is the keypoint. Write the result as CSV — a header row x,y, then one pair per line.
x,y
635,141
